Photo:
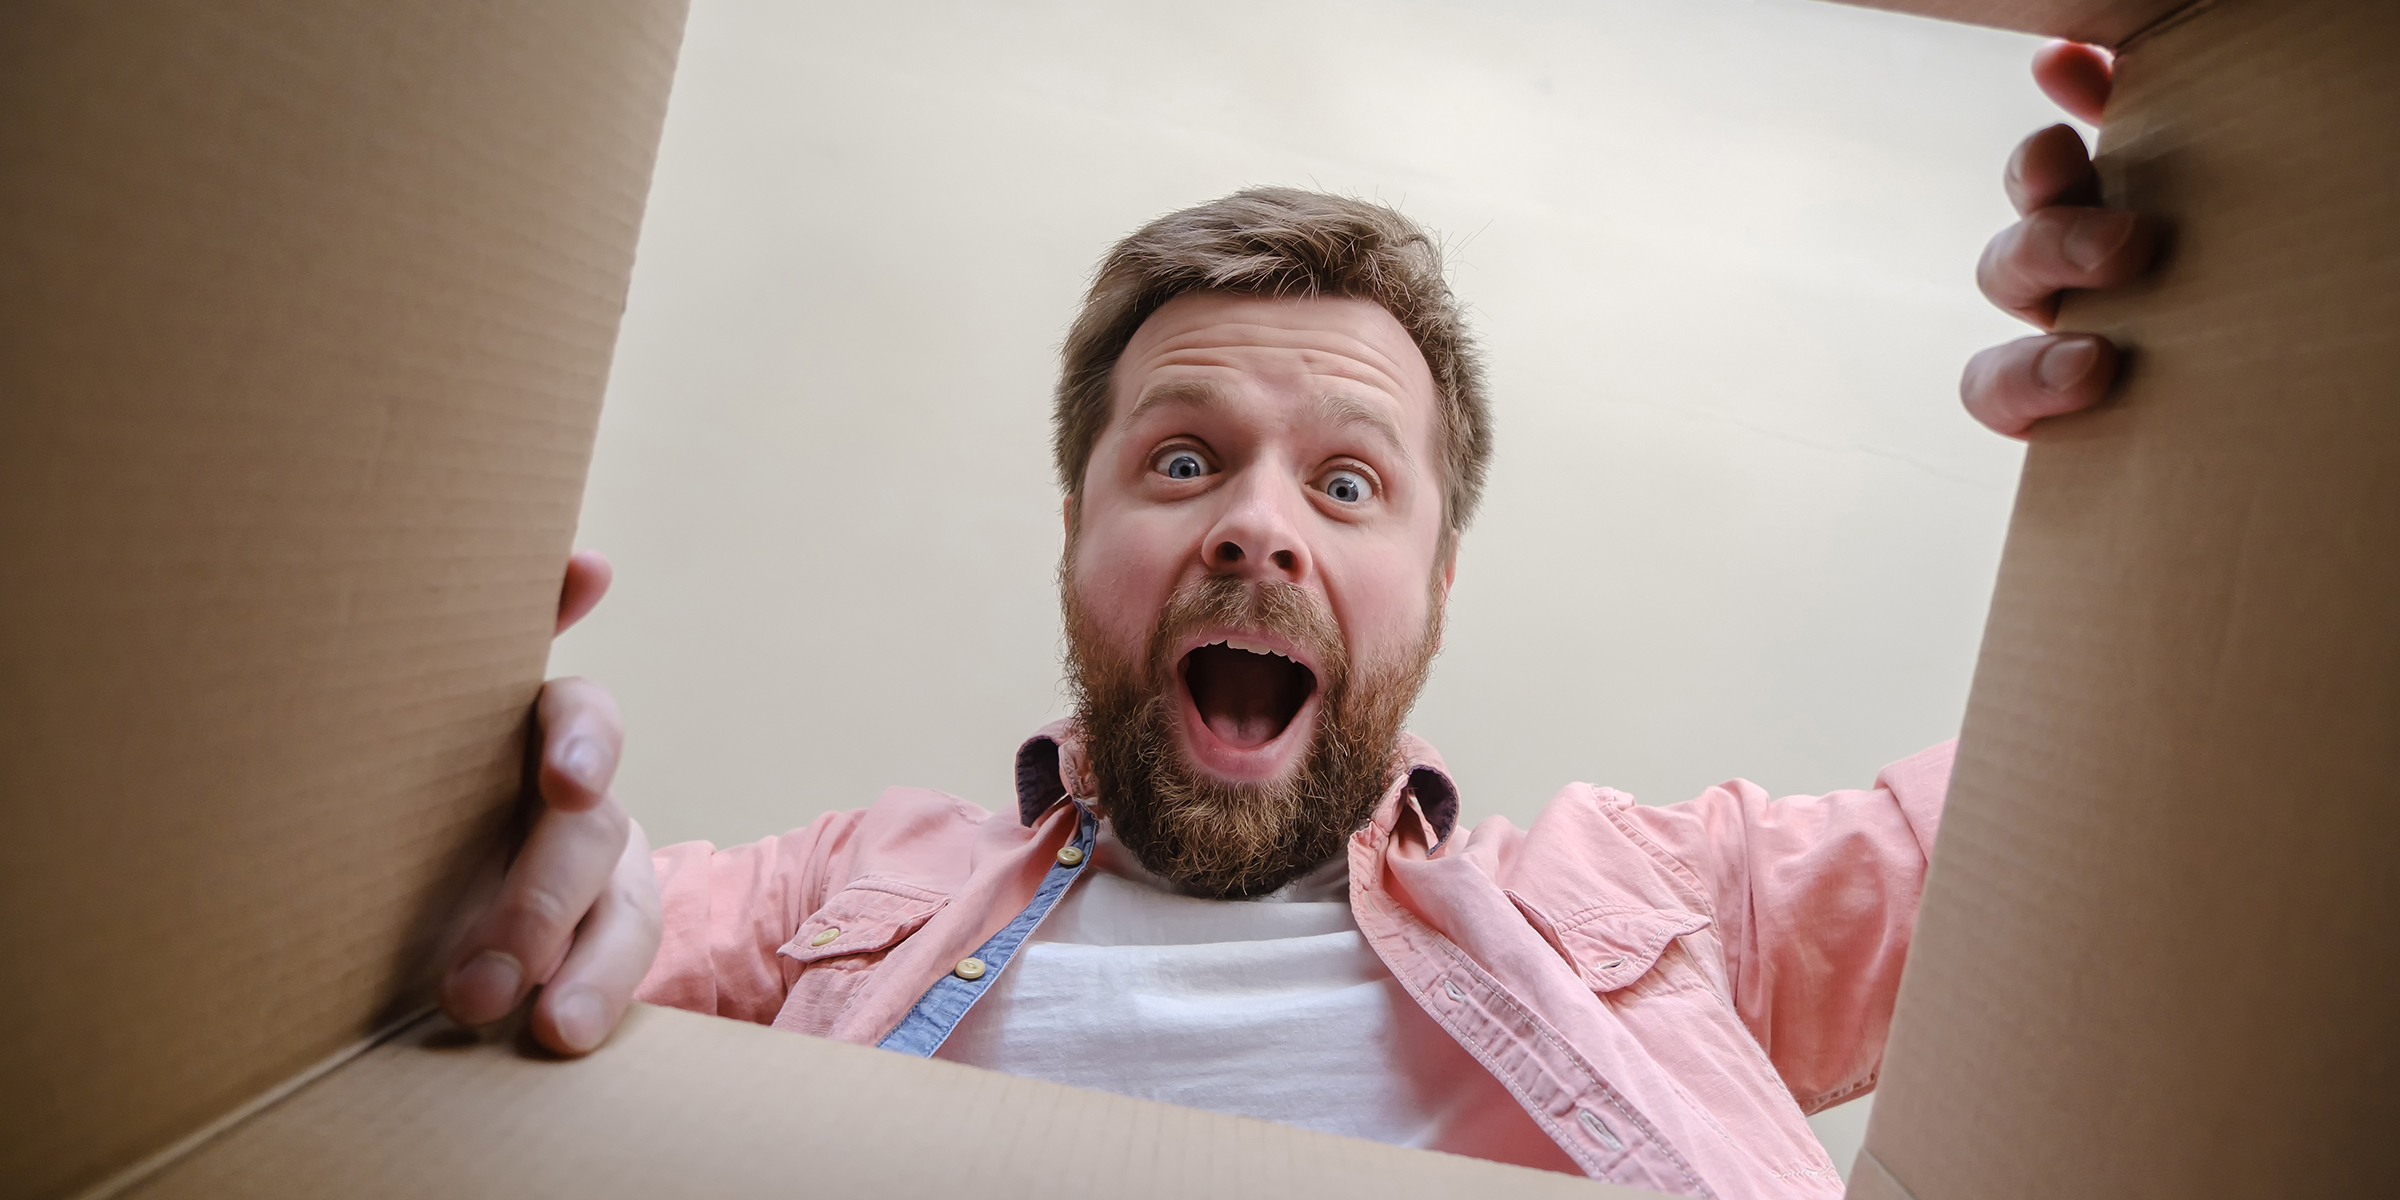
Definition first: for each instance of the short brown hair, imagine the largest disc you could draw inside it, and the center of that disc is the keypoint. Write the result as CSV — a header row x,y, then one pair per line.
x,y
1281,242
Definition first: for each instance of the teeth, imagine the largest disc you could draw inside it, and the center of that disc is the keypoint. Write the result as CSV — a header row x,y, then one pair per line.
x,y
1253,647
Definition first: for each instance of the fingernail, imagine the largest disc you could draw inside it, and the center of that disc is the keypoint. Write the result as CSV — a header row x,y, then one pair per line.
x,y
2097,236
580,1019
486,988
582,760
2065,363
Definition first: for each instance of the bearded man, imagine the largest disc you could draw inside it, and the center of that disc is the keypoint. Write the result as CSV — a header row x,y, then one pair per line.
x,y
1231,881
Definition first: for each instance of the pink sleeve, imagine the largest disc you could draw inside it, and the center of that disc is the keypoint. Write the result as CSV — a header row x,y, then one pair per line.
x,y
726,913
1816,897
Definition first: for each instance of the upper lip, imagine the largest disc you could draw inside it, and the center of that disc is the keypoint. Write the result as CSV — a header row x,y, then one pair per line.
x,y
1249,638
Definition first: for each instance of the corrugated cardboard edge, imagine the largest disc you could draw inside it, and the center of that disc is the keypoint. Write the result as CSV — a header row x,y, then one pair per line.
x,y
2165,22
141,1172
2101,22
681,1103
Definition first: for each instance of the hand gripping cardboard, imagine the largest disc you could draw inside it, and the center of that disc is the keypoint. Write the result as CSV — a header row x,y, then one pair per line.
x,y
307,316
2159,953
306,313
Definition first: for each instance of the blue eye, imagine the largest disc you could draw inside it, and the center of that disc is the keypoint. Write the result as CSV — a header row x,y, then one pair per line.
x,y
1349,487
1181,464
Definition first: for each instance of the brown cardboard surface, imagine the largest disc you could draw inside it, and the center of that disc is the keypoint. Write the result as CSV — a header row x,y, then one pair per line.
x,y
307,314
2103,22
2158,954
679,1104
307,319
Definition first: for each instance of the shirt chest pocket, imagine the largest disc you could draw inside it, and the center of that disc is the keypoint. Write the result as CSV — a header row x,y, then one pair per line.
x,y
1612,946
837,948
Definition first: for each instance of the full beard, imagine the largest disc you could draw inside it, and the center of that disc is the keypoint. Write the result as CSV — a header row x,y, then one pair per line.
x,y
1237,840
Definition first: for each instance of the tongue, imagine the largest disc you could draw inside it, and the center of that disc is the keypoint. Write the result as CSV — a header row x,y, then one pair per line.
x,y
1242,697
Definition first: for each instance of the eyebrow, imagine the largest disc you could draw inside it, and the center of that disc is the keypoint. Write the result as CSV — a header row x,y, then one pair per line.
x,y
1334,407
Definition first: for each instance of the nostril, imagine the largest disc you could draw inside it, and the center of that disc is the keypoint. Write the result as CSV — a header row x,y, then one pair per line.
x,y
1285,560
1227,552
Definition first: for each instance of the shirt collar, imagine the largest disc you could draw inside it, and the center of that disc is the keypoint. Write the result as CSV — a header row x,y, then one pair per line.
x,y
1050,768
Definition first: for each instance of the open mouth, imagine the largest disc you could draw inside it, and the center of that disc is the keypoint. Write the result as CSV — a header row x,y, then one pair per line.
x,y
1246,692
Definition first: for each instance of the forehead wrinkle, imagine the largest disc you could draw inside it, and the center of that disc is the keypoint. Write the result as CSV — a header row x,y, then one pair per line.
x,y
1343,353
1339,409
1181,393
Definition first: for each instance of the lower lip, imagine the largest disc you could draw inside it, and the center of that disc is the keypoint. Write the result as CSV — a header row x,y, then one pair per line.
x,y
1263,763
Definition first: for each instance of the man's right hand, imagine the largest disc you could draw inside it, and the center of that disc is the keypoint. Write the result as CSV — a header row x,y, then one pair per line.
x,y
579,911
2065,241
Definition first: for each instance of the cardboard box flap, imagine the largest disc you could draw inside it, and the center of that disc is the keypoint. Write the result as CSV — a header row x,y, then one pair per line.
x,y
309,309
686,1105
2101,22
2157,954
309,316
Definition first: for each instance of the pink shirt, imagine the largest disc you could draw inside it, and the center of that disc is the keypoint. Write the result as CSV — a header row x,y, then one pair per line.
x,y
1665,990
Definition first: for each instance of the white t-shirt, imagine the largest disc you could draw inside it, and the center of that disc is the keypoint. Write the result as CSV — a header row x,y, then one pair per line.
x,y
1274,1008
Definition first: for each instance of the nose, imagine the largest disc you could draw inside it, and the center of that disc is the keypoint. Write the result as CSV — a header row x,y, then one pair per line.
x,y
1257,536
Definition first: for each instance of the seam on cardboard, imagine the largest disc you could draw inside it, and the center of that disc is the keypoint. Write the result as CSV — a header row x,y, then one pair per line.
x,y
2163,23
141,1171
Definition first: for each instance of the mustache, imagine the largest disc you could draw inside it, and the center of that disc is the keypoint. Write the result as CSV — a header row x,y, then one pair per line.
x,y
1272,606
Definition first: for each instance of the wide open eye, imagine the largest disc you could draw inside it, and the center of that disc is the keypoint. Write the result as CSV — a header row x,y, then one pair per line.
x,y
1347,486
1181,462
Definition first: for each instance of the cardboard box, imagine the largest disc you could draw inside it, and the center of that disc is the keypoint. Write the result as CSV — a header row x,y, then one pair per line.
x,y
308,318
309,314
308,310
2158,953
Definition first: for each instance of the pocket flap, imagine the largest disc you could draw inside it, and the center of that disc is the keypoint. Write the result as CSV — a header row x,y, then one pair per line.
x,y
1612,947
870,914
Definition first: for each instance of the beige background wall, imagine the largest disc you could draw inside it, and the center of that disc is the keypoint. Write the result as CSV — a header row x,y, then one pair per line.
x,y
1720,252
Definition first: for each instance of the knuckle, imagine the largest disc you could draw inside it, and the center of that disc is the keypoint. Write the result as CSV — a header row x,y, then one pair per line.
x,y
1994,387
1988,272
2040,237
613,821
1982,379
2012,267
543,910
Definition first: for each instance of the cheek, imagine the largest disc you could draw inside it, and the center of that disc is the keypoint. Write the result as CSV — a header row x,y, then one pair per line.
x,y
1384,605
1121,575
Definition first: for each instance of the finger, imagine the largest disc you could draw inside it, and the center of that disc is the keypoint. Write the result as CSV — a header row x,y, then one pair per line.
x,y
582,739
613,950
2076,77
550,888
587,579
2051,167
2010,387
2026,264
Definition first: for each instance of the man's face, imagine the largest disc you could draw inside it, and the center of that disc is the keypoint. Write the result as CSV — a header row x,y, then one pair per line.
x,y
1251,586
